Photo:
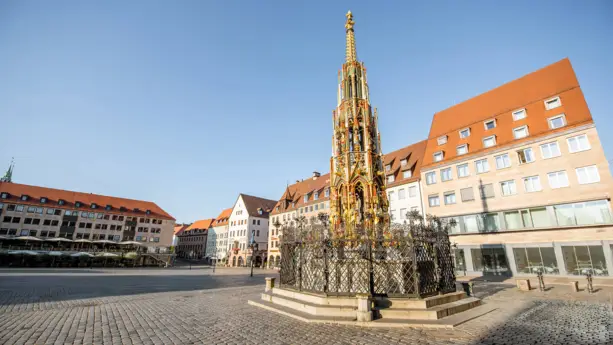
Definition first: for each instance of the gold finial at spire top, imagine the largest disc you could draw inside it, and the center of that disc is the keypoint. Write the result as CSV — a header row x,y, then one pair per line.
x,y
351,54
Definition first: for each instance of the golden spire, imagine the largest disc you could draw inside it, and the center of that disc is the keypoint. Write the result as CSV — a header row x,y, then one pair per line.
x,y
351,54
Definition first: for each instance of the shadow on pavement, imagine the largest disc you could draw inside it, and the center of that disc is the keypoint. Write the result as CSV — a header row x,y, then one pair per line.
x,y
48,288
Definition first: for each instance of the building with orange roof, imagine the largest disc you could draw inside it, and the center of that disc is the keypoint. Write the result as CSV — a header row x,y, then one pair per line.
x,y
27,210
248,228
192,242
217,247
522,171
178,230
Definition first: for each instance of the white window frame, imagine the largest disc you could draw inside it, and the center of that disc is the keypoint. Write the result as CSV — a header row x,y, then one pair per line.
x,y
458,170
457,149
481,160
437,154
493,137
488,121
434,197
450,176
441,140
520,128
538,178
403,162
595,167
462,130
455,200
551,100
555,185
562,116
524,150
433,174
589,146
549,146
407,174
504,154
519,111
508,182
390,178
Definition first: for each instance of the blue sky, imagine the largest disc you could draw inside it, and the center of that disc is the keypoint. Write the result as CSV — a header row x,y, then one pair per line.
x,y
188,103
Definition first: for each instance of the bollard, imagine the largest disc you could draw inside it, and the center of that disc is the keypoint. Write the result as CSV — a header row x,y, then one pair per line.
x,y
364,312
468,288
574,286
590,288
270,284
539,276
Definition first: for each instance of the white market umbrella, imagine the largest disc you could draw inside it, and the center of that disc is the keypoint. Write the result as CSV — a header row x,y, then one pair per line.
x,y
81,254
108,255
133,242
103,241
28,238
58,239
56,253
82,241
23,252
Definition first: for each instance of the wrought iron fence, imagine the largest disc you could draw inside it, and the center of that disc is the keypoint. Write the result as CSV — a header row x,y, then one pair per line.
x,y
409,260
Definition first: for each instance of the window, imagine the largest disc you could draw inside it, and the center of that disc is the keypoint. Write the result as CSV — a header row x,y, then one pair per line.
x,y
525,156
388,167
491,124
27,221
586,175
16,220
402,194
412,191
580,260
488,222
306,197
407,174
10,207
520,132
4,195
327,193
403,162
503,161
557,121
532,184
316,196
47,222
482,166
390,195
557,179
463,170
487,191
471,223
24,198
19,208
24,232
445,174
465,133
489,141
550,150
431,178
253,221
403,213
578,143
433,201
449,198
390,178
442,140
533,260
467,194
438,156
508,188
462,149
519,114
552,103
583,213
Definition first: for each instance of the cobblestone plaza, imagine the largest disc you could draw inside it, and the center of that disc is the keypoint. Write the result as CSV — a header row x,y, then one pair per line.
x,y
181,306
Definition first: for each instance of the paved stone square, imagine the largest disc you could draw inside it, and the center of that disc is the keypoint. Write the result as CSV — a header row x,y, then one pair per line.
x,y
179,306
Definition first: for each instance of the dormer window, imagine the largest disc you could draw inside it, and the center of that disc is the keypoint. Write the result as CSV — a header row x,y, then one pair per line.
x,y
122,209
136,210
293,204
260,210
108,207
519,114
277,208
77,204
61,202
4,196
462,149
306,198
148,212
327,193
390,178
491,124
552,103
403,162
316,196
43,200
388,167
24,198
442,140
407,174
489,141
94,206
465,133
557,121
438,156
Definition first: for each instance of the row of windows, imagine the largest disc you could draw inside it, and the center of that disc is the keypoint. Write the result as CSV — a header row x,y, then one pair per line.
x,y
403,163
244,221
524,156
581,213
311,208
402,193
554,122
557,179
405,174
403,213
191,238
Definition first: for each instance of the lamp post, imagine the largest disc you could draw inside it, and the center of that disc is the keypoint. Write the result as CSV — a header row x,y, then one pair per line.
x,y
254,246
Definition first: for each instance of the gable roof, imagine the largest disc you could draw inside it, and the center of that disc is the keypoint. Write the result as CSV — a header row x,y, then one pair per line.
x,y
223,218
295,193
202,224
528,92
253,203
53,196
413,154
178,230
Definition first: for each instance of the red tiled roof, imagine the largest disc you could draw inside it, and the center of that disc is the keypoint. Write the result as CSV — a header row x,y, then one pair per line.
x,y
528,92
223,218
413,154
200,224
254,203
179,229
53,196
295,193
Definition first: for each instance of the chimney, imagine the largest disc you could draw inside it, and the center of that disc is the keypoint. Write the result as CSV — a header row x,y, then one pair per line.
x,y
316,175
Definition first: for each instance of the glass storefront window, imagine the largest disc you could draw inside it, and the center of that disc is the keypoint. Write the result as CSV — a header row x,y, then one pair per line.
x,y
460,261
584,213
490,260
533,260
489,222
471,224
513,220
580,260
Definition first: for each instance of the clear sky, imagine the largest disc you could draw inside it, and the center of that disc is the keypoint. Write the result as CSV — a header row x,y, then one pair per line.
x,y
188,103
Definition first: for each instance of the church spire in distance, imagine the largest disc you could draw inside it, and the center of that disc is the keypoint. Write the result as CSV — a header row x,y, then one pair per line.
x,y
351,55
8,176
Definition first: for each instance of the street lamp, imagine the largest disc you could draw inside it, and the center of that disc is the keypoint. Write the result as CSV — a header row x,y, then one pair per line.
x,y
254,246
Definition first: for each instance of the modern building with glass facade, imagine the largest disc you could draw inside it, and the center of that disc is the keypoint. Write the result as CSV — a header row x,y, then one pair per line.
x,y
522,172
